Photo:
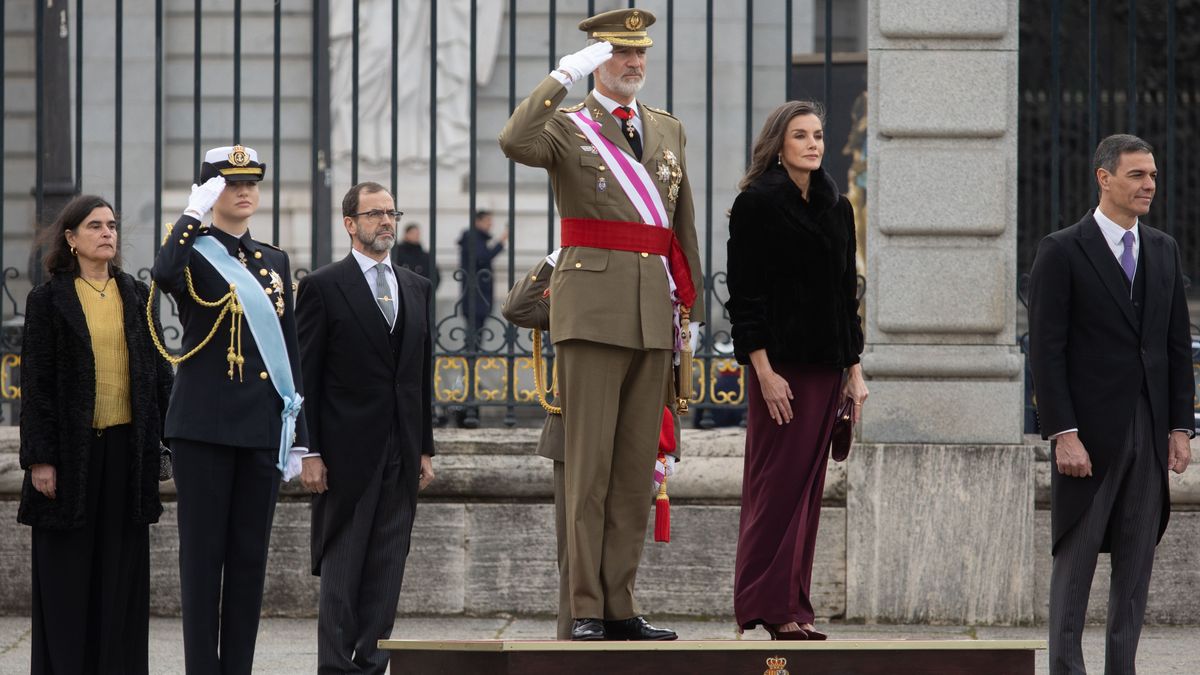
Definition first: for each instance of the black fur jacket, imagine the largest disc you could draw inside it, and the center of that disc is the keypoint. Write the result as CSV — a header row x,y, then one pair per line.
x,y
58,394
792,278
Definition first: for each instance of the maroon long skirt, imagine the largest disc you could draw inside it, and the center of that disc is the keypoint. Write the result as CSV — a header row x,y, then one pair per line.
x,y
781,497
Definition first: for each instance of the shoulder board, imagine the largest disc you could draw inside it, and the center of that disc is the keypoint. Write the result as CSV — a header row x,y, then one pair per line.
x,y
660,111
573,108
267,245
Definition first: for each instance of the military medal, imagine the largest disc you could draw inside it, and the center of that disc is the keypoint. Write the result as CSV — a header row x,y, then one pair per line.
x,y
277,286
672,171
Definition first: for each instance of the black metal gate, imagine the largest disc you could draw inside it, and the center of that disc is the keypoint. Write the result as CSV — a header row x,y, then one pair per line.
x,y
488,367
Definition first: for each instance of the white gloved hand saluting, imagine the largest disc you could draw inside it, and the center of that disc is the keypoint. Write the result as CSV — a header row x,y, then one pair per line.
x,y
584,62
204,196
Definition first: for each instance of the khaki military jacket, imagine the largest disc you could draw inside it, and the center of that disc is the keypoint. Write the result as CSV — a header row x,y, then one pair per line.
x,y
620,298
528,306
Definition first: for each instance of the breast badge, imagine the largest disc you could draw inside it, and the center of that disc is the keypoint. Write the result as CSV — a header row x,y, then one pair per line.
x,y
670,172
601,184
276,289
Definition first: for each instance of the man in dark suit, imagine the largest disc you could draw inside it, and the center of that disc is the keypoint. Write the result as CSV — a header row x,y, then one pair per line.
x,y
224,422
365,344
1110,350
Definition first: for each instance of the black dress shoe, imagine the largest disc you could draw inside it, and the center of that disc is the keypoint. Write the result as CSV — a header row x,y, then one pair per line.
x,y
588,629
637,628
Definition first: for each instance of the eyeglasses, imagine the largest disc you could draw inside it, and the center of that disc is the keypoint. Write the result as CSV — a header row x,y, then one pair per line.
x,y
376,215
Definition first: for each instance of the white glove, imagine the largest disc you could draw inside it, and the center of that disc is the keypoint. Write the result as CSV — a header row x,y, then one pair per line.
x,y
583,62
204,196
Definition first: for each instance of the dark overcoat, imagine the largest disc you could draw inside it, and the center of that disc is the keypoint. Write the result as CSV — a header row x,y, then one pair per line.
x,y
792,277
1093,350
360,387
58,397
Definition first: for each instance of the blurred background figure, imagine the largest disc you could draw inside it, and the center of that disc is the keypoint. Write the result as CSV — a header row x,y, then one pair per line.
x,y
409,254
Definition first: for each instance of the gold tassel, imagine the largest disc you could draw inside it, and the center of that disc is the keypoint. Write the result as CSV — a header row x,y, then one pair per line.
x,y
683,387
539,371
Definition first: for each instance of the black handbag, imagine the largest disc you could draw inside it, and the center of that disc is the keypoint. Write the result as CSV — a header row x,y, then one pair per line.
x,y
843,431
166,469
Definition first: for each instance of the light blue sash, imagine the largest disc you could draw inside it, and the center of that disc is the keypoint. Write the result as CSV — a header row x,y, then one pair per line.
x,y
267,333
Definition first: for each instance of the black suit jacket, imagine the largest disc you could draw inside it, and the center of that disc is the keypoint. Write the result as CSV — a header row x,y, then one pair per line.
x,y
206,405
359,388
1091,356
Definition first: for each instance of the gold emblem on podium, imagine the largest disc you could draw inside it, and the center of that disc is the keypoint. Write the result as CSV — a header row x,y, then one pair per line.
x,y
775,666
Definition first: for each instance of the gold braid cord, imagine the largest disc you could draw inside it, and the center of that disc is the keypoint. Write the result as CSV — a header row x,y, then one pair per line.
x,y
539,379
684,382
229,305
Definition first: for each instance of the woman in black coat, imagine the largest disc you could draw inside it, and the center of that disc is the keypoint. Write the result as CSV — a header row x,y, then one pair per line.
x,y
794,309
94,393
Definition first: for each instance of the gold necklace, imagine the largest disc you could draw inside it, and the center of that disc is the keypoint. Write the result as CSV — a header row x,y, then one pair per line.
x,y
98,290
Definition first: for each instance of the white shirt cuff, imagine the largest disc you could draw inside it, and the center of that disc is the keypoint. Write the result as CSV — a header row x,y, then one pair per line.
x,y
562,78
1065,431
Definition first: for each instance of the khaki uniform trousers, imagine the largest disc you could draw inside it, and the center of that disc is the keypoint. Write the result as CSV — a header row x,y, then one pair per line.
x,y
612,398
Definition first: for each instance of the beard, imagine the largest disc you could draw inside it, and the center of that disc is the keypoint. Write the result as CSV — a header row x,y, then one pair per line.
x,y
379,241
619,84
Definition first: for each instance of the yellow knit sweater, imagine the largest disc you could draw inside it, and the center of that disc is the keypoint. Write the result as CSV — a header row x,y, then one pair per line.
x,y
106,324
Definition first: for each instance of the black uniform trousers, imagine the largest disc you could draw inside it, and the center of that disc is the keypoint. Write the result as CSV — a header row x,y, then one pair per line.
x,y
226,501
91,585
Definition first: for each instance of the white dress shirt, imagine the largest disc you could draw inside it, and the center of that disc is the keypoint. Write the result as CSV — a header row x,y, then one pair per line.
x,y
368,269
1114,235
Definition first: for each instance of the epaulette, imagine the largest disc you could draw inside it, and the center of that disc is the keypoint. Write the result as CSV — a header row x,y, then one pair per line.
x,y
660,111
264,244
573,108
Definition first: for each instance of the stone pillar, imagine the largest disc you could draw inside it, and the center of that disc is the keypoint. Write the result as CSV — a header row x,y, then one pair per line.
x,y
941,532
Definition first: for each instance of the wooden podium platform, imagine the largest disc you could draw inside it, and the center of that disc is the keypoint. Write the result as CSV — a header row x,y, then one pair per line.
x,y
713,657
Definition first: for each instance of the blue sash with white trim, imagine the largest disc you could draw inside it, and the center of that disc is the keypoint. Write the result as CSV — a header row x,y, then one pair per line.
x,y
267,333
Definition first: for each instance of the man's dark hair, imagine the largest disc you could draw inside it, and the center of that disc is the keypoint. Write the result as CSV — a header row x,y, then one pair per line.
x,y
350,201
410,227
1108,153
481,214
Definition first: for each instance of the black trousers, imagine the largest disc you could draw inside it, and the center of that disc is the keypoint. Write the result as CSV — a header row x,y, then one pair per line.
x,y
226,503
1127,508
91,585
362,569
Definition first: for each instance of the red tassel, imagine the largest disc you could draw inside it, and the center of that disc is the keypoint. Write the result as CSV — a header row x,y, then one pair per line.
x,y
662,514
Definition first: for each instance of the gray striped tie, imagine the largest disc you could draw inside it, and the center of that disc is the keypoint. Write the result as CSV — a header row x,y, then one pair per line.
x,y
382,294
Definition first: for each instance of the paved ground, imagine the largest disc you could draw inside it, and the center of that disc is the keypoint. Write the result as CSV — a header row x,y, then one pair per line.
x,y
287,646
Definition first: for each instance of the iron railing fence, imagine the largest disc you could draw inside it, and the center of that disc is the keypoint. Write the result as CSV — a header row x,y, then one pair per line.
x,y
490,367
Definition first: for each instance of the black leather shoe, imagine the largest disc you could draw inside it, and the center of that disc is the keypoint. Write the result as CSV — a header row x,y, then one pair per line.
x,y
588,629
637,628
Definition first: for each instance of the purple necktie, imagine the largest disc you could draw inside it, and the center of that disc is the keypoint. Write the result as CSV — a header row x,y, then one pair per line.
x,y
1127,262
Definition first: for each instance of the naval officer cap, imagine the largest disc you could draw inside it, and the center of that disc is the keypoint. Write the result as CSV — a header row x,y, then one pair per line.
x,y
621,27
234,162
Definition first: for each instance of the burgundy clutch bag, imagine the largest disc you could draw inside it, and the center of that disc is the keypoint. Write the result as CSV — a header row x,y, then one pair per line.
x,y
843,431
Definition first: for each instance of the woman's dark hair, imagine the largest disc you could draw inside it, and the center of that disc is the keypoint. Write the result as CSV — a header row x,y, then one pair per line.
x,y
58,258
769,143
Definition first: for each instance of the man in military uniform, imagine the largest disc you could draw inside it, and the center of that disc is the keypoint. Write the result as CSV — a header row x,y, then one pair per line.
x,y
528,306
234,413
629,267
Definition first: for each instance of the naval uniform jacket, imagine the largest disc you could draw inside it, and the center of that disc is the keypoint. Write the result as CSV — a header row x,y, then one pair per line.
x,y
206,405
366,385
1094,349
612,297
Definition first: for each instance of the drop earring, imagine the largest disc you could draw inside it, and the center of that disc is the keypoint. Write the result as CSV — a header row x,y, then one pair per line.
x,y
779,159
